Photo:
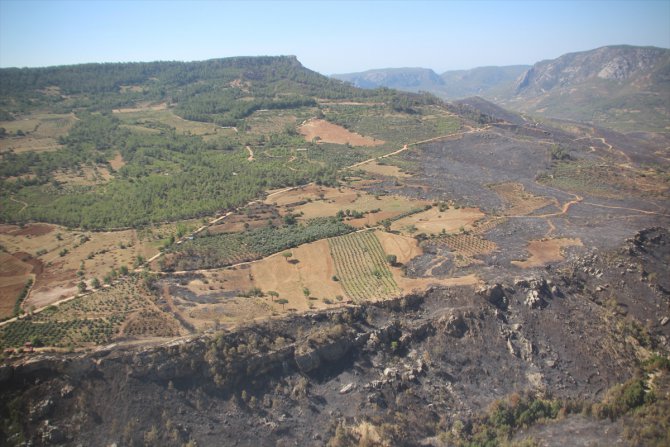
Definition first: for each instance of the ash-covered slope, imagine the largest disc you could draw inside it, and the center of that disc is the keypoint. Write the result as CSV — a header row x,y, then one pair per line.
x,y
429,370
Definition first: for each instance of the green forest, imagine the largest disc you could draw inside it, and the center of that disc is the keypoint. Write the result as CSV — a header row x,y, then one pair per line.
x,y
170,174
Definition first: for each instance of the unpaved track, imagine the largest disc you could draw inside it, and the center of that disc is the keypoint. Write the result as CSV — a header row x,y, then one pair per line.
x,y
406,147
218,219
25,205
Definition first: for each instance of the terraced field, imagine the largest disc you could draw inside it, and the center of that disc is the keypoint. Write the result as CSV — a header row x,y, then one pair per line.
x,y
362,268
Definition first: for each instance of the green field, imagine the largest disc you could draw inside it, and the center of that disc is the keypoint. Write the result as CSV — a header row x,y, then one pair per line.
x,y
362,267
231,248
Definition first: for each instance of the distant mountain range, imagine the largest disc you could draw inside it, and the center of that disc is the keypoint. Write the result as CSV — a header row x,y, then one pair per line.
x,y
481,81
623,87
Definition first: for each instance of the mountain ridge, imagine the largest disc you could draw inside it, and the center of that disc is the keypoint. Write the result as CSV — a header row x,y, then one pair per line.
x,y
625,87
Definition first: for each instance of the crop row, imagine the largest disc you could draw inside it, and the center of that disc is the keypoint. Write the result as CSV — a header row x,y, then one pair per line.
x,y
94,318
361,266
60,333
225,249
468,245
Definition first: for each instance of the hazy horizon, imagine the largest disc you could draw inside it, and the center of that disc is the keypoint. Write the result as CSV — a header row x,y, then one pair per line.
x,y
326,36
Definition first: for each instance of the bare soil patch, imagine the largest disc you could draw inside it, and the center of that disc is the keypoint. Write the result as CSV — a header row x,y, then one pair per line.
x,y
332,133
404,248
14,273
117,162
57,254
545,251
434,221
142,107
518,201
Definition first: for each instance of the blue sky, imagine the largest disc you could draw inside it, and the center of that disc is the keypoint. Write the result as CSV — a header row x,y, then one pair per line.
x,y
327,36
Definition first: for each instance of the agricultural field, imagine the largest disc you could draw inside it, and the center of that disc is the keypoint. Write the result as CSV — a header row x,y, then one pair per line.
x,y
212,251
365,209
125,310
362,267
607,180
253,216
324,131
153,120
83,176
394,127
15,273
436,221
384,170
233,295
60,258
266,122
37,132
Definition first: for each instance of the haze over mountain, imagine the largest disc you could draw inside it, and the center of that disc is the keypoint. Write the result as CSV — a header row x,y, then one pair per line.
x,y
455,84
619,86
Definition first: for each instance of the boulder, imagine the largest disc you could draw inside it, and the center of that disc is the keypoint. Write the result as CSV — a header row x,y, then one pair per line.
x,y
454,325
495,295
309,358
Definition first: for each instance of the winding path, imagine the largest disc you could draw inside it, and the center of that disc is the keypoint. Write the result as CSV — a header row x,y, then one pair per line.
x,y
220,218
25,205
406,146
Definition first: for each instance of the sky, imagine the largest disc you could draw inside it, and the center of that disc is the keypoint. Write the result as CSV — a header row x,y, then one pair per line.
x,y
326,36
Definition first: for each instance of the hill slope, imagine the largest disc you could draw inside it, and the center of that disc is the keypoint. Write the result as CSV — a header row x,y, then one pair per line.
x,y
408,79
489,82
182,133
624,87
